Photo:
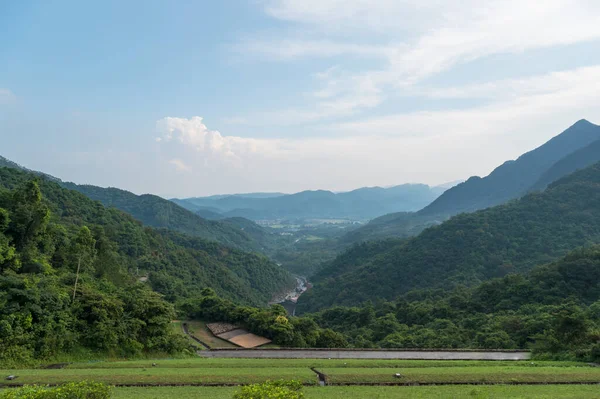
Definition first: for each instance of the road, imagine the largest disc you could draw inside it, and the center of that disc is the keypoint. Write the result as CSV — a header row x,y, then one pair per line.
x,y
365,354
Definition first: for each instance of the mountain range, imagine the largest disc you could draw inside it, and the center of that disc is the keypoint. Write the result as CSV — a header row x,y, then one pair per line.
x,y
575,148
468,248
360,204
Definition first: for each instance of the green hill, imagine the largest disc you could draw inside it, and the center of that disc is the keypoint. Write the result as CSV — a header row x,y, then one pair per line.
x,y
157,212
553,309
470,248
177,265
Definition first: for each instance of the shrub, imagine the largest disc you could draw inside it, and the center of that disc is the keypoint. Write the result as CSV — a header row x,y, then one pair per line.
x,y
272,390
73,390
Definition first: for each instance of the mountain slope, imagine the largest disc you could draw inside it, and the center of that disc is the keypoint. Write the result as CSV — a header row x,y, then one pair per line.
x,y
470,248
157,212
579,159
552,309
177,265
513,178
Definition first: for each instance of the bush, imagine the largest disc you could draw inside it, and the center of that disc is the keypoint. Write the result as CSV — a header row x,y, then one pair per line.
x,y
73,390
272,390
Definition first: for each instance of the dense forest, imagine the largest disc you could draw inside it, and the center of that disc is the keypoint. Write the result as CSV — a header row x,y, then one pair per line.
x,y
470,248
554,310
63,287
177,265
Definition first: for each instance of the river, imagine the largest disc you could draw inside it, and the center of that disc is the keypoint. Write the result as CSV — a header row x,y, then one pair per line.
x,y
289,298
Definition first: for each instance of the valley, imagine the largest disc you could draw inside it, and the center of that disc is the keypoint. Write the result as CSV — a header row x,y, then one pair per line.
x,y
514,281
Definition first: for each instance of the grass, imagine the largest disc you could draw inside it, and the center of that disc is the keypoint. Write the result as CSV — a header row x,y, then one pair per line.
x,y
158,375
178,329
483,374
437,392
317,363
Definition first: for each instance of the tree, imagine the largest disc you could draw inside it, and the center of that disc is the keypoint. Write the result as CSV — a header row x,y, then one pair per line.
x,y
84,251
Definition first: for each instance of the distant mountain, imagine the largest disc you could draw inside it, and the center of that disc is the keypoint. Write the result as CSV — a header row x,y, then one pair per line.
x,y
575,148
469,248
363,203
514,178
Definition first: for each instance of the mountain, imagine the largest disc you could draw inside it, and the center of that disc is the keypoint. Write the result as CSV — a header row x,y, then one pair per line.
x,y
177,265
575,148
577,160
470,247
514,178
551,310
157,212
360,204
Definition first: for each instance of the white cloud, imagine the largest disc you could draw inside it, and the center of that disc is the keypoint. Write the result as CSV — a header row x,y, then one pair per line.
x,y
180,165
421,38
6,96
431,147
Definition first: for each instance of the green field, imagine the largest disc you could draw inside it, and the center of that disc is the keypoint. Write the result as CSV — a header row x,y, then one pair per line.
x,y
216,376
437,392
161,375
484,374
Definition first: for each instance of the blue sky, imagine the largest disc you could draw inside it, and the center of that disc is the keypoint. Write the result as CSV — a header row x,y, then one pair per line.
x,y
185,98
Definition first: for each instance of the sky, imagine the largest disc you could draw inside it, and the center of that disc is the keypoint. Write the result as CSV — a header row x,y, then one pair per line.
x,y
191,98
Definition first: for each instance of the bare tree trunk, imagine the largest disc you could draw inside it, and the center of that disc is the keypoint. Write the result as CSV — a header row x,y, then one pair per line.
x,y
76,278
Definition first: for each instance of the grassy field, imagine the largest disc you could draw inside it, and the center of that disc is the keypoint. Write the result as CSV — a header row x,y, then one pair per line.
x,y
482,374
159,375
201,371
437,392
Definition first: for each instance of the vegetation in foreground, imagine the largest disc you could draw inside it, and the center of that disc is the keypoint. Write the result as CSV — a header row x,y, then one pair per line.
x,y
381,392
250,371
73,390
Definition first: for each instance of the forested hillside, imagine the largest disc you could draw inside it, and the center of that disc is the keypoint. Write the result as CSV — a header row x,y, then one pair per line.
x,y
554,310
157,212
177,265
64,286
470,248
